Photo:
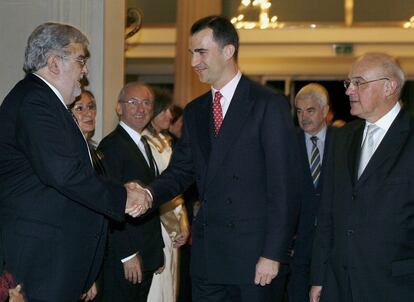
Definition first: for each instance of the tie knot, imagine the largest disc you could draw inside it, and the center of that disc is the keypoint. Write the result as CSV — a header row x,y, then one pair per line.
x,y
314,140
217,96
371,128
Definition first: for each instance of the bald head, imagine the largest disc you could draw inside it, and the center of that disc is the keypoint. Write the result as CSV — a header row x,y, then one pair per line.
x,y
135,105
384,65
374,86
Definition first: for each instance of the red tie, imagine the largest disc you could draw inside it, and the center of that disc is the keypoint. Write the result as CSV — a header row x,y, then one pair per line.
x,y
217,112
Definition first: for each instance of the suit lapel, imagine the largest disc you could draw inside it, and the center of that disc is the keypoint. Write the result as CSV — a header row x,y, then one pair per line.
x,y
204,124
233,122
390,146
135,150
355,151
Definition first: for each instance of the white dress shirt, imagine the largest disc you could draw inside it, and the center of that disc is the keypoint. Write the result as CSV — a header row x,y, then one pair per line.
x,y
383,124
320,143
227,91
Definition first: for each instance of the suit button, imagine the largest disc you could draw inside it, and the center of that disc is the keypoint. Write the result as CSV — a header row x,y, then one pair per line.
x,y
205,201
344,267
354,197
235,177
229,201
350,232
230,225
205,224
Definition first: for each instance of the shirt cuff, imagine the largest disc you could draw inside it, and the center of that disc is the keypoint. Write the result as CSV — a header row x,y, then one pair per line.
x,y
150,194
128,258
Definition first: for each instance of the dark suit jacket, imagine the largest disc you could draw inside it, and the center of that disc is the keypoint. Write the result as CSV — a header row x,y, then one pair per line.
x,y
366,226
310,199
309,203
52,202
246,178
124,162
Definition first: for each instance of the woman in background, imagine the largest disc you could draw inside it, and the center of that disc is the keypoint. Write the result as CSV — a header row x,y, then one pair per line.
x,y
174,221
84,112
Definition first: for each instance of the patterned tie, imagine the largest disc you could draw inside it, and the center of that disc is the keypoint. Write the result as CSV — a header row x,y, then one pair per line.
x,y
367,148
315,165
217,112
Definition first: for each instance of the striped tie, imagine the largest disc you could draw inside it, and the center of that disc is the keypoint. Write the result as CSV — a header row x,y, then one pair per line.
x,y
315,165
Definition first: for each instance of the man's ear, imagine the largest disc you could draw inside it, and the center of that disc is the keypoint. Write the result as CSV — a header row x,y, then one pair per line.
x,y
390,87
228,51
325,111
118,109
54,64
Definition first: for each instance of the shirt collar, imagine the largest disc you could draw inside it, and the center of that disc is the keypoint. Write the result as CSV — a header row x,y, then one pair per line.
x,y
54,89
320,135
386,121
227,91
136,136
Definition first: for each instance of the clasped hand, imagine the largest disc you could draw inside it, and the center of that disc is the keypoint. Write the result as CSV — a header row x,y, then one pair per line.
x,y
138,200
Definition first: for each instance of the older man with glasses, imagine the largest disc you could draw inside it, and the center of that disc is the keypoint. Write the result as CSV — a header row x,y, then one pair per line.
x,y
364,244
135,248
52,202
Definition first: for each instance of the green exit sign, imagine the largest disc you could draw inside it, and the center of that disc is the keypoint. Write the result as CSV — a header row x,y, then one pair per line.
x,y
343,49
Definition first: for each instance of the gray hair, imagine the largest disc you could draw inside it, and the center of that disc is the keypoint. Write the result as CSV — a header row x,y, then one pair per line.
x,y
50,38
314,91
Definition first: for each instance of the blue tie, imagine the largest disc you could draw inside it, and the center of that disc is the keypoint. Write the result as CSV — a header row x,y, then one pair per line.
x,y
315,165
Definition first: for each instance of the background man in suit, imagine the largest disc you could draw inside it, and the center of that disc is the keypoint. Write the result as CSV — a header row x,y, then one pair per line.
x,y
52,204
312,108
134,247
364,243
238,144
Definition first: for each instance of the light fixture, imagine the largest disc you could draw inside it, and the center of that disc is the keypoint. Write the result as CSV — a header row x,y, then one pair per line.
x,y
254,14
409,24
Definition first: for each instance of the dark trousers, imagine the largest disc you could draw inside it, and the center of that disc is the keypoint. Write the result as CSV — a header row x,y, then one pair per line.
x,y
184,291
298,285
203,291
117,289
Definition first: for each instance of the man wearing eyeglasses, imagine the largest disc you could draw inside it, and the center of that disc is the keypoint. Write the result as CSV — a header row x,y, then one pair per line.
x,y
364,244
135,247
52,203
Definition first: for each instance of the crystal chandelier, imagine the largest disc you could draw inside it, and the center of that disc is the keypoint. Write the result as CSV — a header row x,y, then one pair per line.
x,y
254,14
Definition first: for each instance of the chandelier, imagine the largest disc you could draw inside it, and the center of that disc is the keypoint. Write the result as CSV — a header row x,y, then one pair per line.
x,y
409,24
254,14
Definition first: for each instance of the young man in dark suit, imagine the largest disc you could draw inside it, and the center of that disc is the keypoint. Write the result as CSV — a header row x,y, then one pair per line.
x,y
52,203
238,144
312,107
364,243
135,247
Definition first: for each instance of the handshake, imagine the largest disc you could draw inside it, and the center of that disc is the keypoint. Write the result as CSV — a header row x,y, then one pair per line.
x,y
138,199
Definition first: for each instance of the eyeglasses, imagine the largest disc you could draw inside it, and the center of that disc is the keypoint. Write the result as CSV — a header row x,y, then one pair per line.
x,y
360,81
82,61
134,102
82,108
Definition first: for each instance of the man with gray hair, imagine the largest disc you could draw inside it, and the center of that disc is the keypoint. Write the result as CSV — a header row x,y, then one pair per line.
x,y
52,203
312,107
364,242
